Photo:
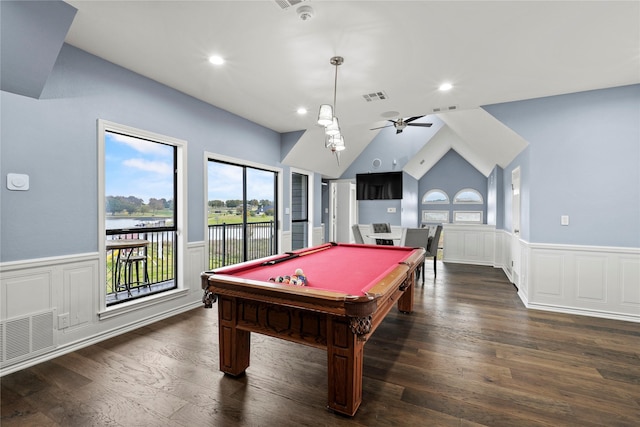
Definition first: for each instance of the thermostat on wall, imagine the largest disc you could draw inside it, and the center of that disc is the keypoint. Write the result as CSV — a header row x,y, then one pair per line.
x,y
17,182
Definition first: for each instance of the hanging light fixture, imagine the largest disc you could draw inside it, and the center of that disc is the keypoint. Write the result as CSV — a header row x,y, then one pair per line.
x,y
327,117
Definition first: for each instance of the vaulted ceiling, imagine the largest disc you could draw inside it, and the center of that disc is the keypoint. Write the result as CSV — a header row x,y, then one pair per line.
x,y
491,51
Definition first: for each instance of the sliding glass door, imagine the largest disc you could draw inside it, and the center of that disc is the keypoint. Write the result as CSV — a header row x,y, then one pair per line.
x,y
241,213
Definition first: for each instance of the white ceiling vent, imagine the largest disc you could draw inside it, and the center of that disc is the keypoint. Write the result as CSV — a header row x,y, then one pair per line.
x,y
445,109
375,96
286,4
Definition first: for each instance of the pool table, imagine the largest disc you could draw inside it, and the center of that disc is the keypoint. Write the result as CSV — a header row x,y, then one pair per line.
x,y
349,290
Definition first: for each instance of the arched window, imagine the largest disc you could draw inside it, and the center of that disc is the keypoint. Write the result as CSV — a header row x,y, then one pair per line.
x,y
468,196
435,196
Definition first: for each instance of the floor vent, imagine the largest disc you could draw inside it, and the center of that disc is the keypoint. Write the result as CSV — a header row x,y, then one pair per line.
x,y
286,4
27,336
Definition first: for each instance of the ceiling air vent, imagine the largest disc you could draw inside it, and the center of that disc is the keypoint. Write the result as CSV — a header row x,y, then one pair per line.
x,y
286,4
375,96
444,109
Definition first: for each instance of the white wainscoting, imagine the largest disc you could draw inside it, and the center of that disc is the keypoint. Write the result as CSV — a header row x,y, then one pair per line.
x,y
69,287
586,280
469,244
285,242
318,236
589,280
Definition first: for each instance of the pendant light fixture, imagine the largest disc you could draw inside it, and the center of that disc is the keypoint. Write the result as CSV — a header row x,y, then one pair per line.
x,y
327,117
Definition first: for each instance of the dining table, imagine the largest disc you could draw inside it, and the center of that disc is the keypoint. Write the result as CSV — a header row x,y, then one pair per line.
x,y
395,236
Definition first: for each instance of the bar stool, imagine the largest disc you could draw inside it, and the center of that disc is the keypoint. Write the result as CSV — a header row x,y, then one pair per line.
x,y
132,260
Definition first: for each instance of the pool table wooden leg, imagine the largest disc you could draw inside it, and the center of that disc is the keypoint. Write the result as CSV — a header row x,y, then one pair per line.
x,y
234,343
405,303
345,358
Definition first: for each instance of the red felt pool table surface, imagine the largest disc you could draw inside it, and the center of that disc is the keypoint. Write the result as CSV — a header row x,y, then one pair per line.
x,y
344,268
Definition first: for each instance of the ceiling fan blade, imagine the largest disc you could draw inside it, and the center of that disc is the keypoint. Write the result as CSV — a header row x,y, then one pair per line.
x,y
424,125
413,118
387,126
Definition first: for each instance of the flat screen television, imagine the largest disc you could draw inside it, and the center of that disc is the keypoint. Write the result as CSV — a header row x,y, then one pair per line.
x,y
379,186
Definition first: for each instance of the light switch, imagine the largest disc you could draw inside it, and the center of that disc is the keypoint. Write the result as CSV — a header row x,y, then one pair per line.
x,y
564,220
17,182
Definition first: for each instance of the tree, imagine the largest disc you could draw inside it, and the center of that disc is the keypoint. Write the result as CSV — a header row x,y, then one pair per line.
x,y
155,205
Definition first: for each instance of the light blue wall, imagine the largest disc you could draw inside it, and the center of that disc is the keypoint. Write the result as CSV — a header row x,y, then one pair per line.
x,y
584,158
451,174
54,141
409,216
521,161
495,198
389,147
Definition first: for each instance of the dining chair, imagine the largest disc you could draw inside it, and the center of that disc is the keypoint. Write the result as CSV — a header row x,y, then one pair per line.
x,y
432,250
382,228
357,234
417,238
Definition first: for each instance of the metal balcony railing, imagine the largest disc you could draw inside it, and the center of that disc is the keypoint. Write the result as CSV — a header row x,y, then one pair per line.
x,y
160,263
226,247
226,242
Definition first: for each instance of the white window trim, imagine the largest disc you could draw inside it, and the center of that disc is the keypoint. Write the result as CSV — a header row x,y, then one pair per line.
x,y
444,216
471,190
105,312
457,221
433,190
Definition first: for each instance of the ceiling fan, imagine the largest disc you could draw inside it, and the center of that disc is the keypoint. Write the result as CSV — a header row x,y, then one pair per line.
x,y
401,123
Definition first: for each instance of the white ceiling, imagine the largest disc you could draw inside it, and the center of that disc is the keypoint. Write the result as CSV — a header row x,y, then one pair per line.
x,y
491,51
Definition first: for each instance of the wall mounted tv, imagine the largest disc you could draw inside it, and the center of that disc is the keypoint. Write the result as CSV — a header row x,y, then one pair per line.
x,y
379,186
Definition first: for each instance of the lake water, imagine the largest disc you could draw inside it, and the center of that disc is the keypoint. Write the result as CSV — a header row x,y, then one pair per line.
x,y
127,223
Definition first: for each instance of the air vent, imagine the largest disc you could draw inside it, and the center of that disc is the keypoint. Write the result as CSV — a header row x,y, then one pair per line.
x,y
26,336
375,96
444,109
286,4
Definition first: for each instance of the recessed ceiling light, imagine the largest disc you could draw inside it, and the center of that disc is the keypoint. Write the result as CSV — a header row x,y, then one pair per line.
x,y
216,60
302,111
445,86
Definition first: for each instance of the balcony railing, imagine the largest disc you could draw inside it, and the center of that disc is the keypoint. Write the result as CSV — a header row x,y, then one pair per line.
x,y
226,247
160,264
226,242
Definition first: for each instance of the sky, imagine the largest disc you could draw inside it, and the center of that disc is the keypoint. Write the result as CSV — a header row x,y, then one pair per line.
x,y
144,169
136,167
225,183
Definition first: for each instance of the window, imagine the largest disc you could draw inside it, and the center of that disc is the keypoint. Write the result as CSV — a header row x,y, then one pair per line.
x,y
468,195
241,211
435,196
140,212
299,210
435,217
473,217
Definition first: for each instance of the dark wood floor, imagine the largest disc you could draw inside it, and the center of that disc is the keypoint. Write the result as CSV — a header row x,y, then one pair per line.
x,y
469,355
